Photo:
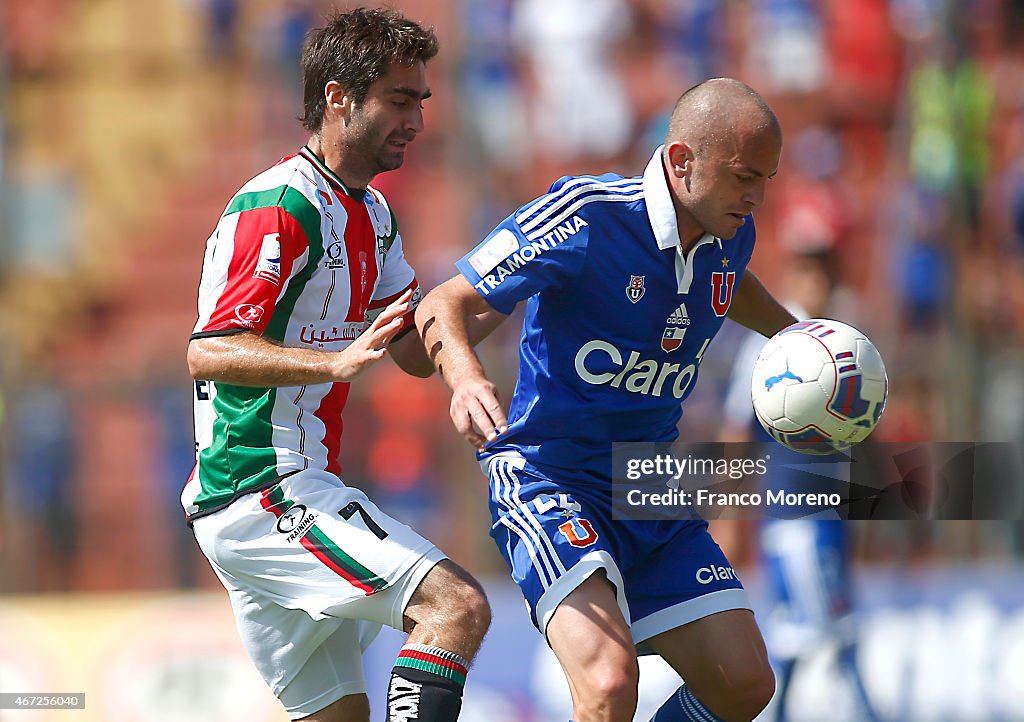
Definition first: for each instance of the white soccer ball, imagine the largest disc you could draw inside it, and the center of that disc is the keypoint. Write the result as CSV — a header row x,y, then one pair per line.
x,y
819,386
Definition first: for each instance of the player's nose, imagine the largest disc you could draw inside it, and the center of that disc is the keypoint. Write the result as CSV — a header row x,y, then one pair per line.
x,y
755,196
414,122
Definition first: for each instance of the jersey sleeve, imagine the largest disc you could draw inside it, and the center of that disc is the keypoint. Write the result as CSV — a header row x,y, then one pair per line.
x,y
250,260
396,277
540,246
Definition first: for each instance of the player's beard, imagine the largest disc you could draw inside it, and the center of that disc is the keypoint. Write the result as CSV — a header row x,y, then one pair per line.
x,y
373,148
388,157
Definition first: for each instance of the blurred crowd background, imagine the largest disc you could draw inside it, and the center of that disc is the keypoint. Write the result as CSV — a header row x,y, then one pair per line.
x,y
125,127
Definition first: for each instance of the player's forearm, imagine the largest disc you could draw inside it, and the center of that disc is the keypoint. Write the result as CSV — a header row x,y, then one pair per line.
x,y
450,325
245,359
409,354
754,307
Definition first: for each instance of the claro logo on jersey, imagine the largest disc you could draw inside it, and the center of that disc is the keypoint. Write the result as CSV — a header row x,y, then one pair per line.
x,y
647,377
502,255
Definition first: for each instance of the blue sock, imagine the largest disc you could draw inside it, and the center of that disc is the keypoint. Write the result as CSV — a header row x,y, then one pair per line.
x,y
848,664
682,706
785,676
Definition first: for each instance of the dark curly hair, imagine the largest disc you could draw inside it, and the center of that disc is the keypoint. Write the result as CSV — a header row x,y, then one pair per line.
x,y
354,49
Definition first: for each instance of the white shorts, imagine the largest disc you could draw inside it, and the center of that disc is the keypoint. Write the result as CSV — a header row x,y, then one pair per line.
x,y
313,569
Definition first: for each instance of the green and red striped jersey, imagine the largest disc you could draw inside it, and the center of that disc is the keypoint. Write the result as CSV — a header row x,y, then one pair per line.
x,y
306,262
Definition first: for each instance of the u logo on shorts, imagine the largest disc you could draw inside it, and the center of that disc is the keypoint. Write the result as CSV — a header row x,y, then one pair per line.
x,y
580,532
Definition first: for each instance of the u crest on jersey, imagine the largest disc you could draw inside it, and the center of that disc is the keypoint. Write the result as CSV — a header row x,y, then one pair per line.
x,y
722,286
635,290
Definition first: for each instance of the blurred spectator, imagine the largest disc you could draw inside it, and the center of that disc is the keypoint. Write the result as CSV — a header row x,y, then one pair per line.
x,y
579,107
786,49
813,214
221,29
690,35
171,402
490,92
42,496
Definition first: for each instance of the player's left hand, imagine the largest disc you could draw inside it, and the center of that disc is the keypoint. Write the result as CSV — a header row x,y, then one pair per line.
x,y
371,344
477,412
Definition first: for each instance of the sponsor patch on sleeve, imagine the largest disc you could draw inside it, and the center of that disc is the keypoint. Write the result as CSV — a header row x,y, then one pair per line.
x,y
268,267
500,246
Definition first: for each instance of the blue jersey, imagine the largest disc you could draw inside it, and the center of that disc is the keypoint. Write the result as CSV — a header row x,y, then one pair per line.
x,y
617,316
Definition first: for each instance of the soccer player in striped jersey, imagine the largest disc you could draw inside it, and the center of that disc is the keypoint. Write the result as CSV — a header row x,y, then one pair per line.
x,y
304,286
626,281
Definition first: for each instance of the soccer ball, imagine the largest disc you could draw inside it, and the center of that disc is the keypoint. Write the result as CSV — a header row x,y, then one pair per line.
x,y
819,386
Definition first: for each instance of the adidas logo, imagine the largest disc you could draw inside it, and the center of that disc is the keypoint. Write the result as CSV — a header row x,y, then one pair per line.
x,y
679,317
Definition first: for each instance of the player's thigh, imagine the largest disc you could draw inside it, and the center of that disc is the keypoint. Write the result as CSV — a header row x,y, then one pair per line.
x,y
588,631
330,686
308,665
717,653
354,708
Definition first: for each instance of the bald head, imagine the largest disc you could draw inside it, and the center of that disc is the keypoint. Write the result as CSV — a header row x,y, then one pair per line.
x,y
722,148
718,111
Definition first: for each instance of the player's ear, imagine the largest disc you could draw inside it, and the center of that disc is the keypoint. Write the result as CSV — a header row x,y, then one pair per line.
x,y
339,102
680,159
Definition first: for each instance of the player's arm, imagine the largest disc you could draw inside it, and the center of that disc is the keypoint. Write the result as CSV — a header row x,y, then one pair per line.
x,y
754,307
408,352
248,359
452,319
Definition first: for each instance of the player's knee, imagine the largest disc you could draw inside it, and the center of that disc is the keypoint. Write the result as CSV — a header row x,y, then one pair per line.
x,y
452,604
759,692
462,606
748,694
610,689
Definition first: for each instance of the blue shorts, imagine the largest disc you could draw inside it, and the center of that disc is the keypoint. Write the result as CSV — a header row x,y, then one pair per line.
x,y
806,573
555,533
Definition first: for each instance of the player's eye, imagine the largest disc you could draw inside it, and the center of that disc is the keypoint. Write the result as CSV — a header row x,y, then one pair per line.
x,y
744,178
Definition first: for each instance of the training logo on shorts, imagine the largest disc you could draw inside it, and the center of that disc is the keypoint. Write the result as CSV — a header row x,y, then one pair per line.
x,y
292,518
315,541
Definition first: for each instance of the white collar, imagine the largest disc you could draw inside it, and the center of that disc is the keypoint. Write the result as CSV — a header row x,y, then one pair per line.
x,y
661,212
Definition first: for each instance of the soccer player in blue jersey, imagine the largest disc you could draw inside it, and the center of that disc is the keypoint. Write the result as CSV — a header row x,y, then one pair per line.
x,y
626,281
805,561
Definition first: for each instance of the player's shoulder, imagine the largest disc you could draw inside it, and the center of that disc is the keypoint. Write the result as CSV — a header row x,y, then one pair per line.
x,y
580,195
290,184
585,189
605,181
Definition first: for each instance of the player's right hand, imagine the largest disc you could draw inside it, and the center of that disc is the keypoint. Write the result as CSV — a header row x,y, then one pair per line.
x,y
371,345
477,412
